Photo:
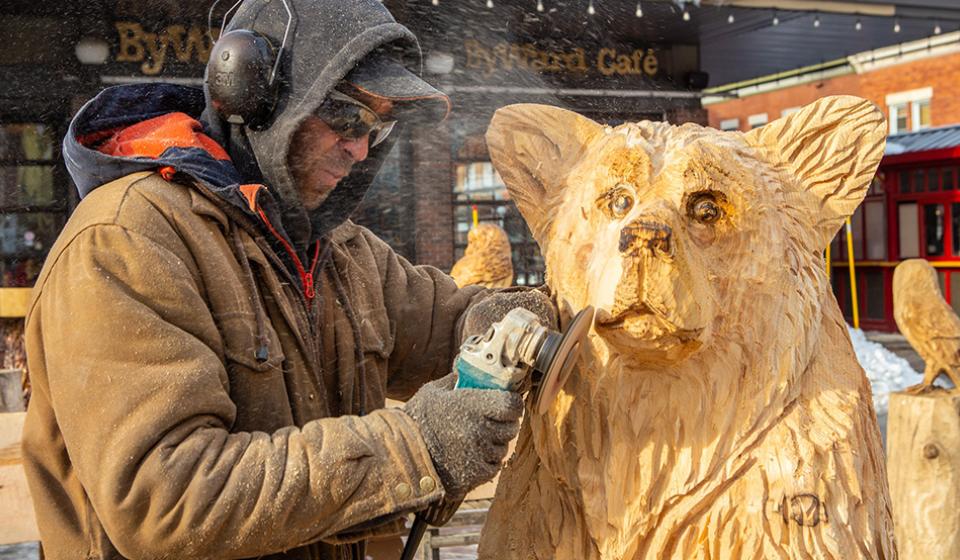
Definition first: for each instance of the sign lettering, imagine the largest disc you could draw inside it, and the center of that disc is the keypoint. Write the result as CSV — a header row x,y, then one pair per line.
x,y
139,45
528,57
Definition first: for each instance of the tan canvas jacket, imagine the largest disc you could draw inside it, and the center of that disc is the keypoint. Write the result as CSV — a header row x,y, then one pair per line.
x,y
154,430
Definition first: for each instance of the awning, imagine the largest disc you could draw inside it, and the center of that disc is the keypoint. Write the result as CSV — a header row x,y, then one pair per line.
x,y
745,39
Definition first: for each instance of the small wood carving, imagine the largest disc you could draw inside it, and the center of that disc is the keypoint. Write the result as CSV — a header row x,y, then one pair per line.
x,y
720,411
927,321
487,260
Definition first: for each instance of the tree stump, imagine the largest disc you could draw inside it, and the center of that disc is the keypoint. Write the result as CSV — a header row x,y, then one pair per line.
x,y
923,465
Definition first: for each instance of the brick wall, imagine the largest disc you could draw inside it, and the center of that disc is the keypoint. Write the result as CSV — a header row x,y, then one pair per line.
x,y
939,73
773,102
431,174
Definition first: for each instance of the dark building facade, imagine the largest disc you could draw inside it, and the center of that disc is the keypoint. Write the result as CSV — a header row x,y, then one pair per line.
x,y
609,65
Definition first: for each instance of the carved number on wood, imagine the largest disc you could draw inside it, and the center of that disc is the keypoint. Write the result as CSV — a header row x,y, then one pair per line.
x,y
804,509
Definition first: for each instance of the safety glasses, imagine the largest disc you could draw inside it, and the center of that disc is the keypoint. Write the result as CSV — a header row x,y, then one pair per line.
x,y
351,119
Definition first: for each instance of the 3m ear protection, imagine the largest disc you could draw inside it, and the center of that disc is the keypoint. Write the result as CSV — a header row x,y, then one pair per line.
x,y
241,75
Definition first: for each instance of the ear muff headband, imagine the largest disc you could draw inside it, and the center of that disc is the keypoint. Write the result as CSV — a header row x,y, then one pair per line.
x,y
241,75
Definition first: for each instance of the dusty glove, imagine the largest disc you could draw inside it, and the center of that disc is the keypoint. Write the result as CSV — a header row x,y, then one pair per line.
x,y
466,430
494,307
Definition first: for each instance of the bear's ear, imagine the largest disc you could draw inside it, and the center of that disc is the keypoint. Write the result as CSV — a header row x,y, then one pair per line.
x,y
832,147
534,147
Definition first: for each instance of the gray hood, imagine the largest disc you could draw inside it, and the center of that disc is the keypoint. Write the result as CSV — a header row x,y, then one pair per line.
x,y
327,39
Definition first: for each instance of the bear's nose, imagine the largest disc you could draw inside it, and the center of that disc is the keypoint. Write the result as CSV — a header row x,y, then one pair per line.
x,y
654,238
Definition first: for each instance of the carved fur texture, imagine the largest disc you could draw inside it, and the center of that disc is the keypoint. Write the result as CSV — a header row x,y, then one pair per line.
x,y
927,321
487,260
720,412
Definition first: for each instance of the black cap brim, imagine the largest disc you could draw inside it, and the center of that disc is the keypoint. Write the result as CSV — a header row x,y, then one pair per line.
x,y
383,76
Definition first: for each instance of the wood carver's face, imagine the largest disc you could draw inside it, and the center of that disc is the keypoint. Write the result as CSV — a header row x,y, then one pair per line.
x,y
674,234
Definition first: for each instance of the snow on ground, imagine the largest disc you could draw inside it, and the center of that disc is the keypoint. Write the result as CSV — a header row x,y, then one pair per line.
x,y
886,371
25,551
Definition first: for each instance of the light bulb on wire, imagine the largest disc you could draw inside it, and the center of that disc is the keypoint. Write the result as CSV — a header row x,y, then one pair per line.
x,y
896,26
540,5
730,18
776,19
590,9
816,21
639,12
858,26
490,4
936,29
686,14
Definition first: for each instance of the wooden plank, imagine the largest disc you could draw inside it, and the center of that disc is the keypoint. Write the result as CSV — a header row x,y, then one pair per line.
x,y
14,302
17,520
923,448
444,541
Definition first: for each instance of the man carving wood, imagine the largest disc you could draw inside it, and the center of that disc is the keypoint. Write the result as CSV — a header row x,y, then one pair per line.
x,y
720,411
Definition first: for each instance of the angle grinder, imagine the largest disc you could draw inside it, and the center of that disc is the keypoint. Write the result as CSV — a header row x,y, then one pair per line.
x,y
513,351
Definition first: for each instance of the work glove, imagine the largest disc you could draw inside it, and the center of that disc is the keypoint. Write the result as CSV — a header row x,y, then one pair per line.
x,y
494,307
466,431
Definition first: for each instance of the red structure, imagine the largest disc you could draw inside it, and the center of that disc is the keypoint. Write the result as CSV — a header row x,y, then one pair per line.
x,y
911,210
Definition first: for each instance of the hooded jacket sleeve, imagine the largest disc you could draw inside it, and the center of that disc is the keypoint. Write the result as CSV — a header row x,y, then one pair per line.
x,y
135,373
426,311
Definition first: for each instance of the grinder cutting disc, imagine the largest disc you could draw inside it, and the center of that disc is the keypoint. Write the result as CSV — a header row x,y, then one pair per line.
x,y
556,358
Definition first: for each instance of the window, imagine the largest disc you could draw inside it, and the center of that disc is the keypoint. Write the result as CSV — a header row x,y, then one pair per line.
x,y
948,178
730,124
905,182
898,119
856,225
910,110
909,229
876,230
756,121
874,294
919,180
933,229
479,187
955,230
920,115
32,199
933,180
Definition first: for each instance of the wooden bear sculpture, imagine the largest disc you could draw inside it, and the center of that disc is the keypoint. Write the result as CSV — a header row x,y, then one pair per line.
x,y
720,412
927,321
487,260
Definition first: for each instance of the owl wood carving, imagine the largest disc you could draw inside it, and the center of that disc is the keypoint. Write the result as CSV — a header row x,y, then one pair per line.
x,y
720,412
487,260
927,321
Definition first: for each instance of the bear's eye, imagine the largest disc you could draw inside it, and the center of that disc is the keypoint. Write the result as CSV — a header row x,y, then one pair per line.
x,y
616,203
704,208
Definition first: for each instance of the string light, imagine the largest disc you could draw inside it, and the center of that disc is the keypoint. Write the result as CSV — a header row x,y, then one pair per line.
x,y
936,29
816,21
686,14
435,2
730,18
776,19
896,26
639,12
490,4
858,26
540,5
590,9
